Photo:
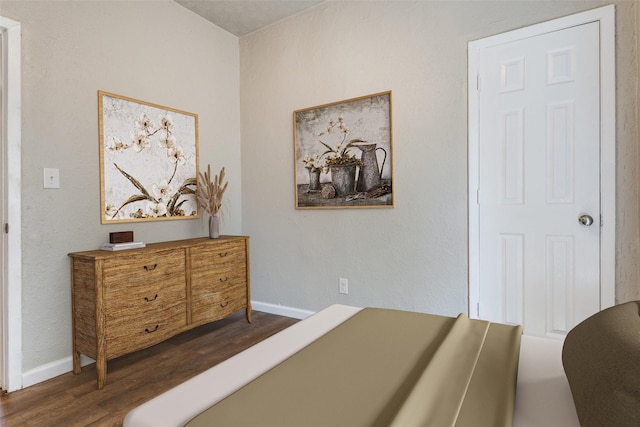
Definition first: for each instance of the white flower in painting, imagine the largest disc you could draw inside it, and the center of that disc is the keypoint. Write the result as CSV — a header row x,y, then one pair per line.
x,y
166,122
140,142
116,145
176,155
332,124
156,209
145,124
332,156
312,161
163,191
110,210
167,141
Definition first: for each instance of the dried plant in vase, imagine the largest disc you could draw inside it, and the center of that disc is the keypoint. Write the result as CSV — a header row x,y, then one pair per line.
x,y
209,196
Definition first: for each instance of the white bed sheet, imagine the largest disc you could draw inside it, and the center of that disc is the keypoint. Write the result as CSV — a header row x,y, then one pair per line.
x,y
543,398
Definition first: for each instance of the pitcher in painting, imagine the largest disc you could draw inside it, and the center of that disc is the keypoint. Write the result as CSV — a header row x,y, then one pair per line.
x,y
370,175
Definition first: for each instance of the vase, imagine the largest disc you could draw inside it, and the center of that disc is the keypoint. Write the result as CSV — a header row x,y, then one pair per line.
x,y
214,227
314,179
343,178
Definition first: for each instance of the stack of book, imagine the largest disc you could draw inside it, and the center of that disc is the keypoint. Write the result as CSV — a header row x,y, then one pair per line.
x,y
121,246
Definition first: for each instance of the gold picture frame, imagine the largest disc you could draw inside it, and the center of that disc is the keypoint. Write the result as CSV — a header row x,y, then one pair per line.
x,y
334,142
148,161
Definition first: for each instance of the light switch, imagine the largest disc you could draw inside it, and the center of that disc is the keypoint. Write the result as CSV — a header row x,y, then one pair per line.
x,y
51,178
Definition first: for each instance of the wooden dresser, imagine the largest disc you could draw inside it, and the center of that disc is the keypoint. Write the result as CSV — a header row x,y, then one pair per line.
x,y
124,301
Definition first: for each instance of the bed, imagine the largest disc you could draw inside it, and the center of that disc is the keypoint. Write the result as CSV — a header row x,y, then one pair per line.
x,y
539,397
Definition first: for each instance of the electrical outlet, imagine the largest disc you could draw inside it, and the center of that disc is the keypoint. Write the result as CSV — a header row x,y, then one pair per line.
x,y
343,286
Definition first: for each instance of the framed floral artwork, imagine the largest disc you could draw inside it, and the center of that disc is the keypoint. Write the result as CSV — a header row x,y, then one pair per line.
x,y
148,161
343,154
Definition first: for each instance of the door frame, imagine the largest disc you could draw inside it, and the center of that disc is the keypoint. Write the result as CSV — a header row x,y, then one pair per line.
x,y
11,280
605,16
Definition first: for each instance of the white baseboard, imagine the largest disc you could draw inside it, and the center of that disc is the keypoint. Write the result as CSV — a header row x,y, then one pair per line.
x,y
51,370
281,310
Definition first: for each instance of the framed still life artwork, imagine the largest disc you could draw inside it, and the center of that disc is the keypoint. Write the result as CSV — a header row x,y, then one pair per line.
x,y
148,161
343,154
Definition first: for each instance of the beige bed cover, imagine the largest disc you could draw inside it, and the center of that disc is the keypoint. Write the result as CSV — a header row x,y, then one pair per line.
x,y
386,368
543,397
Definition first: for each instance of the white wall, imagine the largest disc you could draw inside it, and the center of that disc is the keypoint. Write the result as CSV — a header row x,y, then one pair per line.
x,y
413,256
153,51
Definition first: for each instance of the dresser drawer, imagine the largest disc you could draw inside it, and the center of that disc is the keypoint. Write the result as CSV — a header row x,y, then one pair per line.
x,y
217,302
138,302
128,331
222,257
135,270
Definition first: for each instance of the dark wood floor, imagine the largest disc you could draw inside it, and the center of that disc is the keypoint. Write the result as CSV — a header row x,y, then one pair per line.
x,y
73,400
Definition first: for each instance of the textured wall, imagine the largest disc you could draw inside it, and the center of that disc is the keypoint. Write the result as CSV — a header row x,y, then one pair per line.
x,y
153,51
413,256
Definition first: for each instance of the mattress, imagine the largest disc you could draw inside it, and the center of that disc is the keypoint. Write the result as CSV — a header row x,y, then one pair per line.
x,y
543,397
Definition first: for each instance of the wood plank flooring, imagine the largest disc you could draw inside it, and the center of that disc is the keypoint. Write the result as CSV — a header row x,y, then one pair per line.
x,y
73,400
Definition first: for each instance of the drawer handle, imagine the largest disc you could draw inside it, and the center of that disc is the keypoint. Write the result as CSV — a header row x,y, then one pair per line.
x,y
147,299
224,279
225,304
223,254
146,267
147,330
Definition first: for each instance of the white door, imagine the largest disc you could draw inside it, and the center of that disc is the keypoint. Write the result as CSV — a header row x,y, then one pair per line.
x,y
539,182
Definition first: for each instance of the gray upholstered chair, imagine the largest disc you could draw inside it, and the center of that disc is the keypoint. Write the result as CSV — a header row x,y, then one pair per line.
x,y
601,358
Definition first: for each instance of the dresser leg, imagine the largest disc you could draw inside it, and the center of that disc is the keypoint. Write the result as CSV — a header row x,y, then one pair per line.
x,y
101,371
76,362
249,313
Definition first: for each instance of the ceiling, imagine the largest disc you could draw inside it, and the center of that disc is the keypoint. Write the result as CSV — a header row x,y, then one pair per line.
x,y
242,17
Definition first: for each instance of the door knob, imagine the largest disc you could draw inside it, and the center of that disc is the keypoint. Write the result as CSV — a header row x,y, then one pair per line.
x,y
585,220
